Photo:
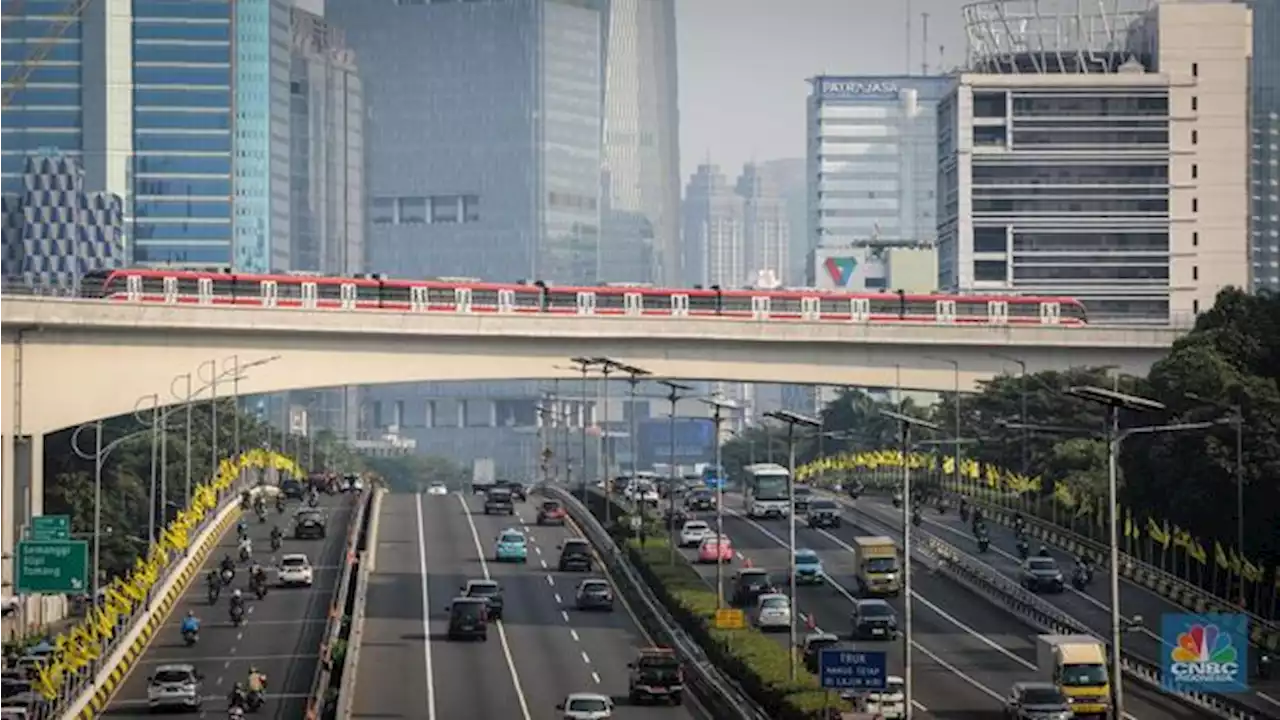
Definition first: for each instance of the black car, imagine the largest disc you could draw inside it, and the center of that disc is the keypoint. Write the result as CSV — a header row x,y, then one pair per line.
x,y
1042,573
748,585
823,514
308,524
804,496
873,620
490,590
701,499
594,595
1035,700
293,489
498,501
517,490
575,554
469,618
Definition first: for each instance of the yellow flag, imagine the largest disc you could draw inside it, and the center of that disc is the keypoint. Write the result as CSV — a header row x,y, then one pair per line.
x,y
1159,534
1251,572
1220,556
1196,550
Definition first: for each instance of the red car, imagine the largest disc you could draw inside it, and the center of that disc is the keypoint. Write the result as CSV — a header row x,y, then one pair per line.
x,y
715,550
551,513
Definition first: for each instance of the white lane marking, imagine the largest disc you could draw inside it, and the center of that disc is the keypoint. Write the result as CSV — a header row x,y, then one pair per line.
x,y
218,681
595,676
551,581
537,549
585,658
916,596
558,600
426,611
574,633
502,633
565,614
544,564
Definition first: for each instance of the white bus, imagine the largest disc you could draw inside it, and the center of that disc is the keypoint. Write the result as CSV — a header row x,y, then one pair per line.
x,y
765,491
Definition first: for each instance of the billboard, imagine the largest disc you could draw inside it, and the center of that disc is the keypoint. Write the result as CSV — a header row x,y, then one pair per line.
x,y
695,441
847,269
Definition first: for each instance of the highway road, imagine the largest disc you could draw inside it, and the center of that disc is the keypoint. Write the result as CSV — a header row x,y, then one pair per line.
x,y
281,636
544,649
967,653
1092,606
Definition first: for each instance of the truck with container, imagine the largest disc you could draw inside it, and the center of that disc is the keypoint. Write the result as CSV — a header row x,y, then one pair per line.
x,y
878,569
1077,665
484,475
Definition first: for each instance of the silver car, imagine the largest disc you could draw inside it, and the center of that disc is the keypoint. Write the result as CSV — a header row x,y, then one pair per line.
x,y
176,686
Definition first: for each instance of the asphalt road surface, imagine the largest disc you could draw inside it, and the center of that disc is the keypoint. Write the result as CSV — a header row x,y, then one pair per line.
x,y
543,649
281,635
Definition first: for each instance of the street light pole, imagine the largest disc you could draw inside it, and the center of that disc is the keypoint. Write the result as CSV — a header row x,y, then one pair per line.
x,y
792,419
1237,423
584,365
719,404
1023,379
905,423
955,469
673,396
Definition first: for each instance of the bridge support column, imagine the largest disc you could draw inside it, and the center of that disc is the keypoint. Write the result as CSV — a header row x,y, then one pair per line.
x,y
23,498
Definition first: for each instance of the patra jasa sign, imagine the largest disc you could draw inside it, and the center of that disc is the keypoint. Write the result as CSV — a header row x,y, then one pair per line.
x,y
858,88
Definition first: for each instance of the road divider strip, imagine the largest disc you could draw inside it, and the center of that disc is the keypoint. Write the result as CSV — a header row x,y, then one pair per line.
x,y
346,681
319,698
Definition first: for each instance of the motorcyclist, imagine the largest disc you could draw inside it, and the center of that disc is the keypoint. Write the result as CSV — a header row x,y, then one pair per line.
x,y
277,536
246,548
237,601
245,498
1019,523
227,563
242,529
190,623
235,712
1023,547
1043,552
257,577
256,685
916,518
280,502
984,542
211,578
236,698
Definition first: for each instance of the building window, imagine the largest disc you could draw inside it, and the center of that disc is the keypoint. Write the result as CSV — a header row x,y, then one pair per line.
x,y
1195,272
413,210
1195,239
1195,307
384,211
1195,70
990,271
470,208
990,239
444,209
1195,103
1195,137
1195,204
1195,171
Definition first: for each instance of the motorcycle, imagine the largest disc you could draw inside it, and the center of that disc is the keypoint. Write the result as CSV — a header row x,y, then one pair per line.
x,y
984,543
190,637
245,554
942,507
916,518
897,499
235,712
259,588
1024,549
280,507
1079,579
1264,666
245,500
262,514
964,513
276,542
214,592
227,575
313,500
255,700
237,615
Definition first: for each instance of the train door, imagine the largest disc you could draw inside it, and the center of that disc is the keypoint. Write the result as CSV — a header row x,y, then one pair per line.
x,y
810,308
133,288
462,300
347,293
310,294
170,286
1050,313
944,312
633,304
506,301
860,309
418,300
204,291
998,312
760,307
679,305
586,303
268,291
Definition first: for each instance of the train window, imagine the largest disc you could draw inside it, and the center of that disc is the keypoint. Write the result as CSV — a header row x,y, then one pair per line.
x,y
484,299
438,296
945,311
610,302
789,307
586,303
418,298
557,300
916,309
736,305
394,295
703,303
188,286
859,309
1023,310
971,309
680,304
1050,313
462,299
633,303
1075,312
760,307
268,289
291,291
885,306
997,312
371,294
308,295
152,285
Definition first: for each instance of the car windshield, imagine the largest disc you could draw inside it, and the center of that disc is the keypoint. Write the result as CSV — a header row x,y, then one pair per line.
x,y
1043,696
823,505
696,526
774,603
875,610
551,505
1084,675
882,565
503,494
483,589
587,705
817,644
308,515
659,663
173,676
1043,564
803,492
467,610
294,562
513,539
595,587
437,485
806,558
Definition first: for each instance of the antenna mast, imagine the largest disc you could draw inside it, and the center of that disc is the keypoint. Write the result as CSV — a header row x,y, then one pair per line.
x,y
924,44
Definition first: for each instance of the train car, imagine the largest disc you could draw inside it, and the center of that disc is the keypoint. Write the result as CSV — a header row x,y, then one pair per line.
x,y
471,295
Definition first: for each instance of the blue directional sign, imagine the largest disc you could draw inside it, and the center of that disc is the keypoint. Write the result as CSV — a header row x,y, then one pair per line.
x,y
852,670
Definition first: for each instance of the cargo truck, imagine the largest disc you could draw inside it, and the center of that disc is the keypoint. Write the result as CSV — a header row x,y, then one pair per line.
x,y
878,569
1077,664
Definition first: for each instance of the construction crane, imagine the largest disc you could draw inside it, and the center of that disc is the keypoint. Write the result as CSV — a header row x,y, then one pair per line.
x,y
19,79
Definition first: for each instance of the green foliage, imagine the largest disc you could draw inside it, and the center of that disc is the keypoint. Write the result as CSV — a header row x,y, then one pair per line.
x,y
758,662
413,473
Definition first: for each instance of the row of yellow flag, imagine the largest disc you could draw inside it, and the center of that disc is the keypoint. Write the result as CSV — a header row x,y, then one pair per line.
x,y
84,643
996,478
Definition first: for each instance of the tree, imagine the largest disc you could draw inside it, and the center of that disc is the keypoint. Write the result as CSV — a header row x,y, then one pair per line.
x,y
413,473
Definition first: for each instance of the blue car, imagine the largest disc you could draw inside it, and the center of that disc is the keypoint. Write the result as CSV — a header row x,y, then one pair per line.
x,y
808,568
511,547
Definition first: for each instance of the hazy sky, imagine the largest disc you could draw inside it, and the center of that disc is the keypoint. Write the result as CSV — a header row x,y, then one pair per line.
x,y
743,65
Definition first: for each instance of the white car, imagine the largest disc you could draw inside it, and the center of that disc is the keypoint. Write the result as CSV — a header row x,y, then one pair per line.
x,y
295,569
890,703
773,612
694,532
437,488
586,706
642,492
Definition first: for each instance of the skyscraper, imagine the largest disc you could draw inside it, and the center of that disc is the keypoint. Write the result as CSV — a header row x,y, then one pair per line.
x,y
1264,165
766,230
714,233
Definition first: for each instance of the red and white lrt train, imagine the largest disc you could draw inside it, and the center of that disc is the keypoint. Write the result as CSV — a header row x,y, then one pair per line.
x,y
466,295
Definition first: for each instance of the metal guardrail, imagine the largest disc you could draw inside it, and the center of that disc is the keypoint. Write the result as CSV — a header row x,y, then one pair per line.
x,y
76,686
722,697
368,560
317,697
1005,592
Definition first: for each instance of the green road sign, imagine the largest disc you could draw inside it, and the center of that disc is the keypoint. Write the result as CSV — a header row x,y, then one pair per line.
x,y
51,527
52,566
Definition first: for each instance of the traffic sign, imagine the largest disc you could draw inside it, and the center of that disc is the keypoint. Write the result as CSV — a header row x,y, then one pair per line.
x,y
51,527
852,670
52,566
730,619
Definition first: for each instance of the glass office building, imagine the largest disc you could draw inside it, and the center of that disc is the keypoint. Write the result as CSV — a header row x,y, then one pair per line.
x,y
1264,170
